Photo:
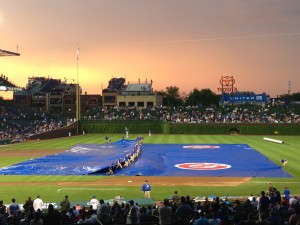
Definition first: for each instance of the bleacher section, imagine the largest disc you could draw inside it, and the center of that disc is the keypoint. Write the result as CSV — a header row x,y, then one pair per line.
x,y
49,85
18,124
188,114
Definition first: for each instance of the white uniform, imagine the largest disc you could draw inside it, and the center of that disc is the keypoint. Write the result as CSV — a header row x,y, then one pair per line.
x,y
38,204
94,203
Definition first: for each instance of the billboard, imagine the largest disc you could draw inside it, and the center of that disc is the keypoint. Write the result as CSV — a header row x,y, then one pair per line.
x,y
241,98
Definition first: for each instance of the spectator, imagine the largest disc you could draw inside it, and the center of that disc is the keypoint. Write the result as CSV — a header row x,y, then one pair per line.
x,y
37,220
103,211
202,220
13,208
184,212
28,203
165,213
286,193
295,217
133,214
65,204
3,216
52,217
94,202
175,197
38,204
263,206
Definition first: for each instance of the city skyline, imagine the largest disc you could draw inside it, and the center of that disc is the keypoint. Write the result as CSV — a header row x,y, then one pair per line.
x,y
188,44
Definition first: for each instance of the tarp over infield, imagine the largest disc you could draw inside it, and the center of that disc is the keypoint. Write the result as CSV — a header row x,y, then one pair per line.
x,y
222,160
79,160
227,160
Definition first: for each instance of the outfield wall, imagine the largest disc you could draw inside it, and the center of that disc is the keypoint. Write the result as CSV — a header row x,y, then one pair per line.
x,y
140,127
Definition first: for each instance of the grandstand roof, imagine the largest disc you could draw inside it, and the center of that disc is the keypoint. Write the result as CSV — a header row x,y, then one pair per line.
x,y
7,85
8,53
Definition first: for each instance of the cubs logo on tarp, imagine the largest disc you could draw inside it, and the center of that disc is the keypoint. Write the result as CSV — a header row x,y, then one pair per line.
x,y
203,166
201,147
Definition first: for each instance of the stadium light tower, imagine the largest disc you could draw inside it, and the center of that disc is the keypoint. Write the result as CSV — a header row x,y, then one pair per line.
x,y
77,95
289,87
8,53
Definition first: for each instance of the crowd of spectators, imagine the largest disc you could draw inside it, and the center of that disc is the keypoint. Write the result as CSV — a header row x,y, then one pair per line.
x,y
188,114
16,123
270,207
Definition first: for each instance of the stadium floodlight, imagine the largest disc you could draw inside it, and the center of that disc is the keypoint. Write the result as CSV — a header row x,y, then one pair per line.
x,y
3,88
8,53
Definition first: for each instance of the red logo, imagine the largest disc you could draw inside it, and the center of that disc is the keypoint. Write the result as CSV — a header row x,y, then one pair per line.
x,y
227,81
203,166
202,146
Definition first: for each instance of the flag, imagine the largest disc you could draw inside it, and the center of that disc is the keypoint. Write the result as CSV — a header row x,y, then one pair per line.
x,y
77,53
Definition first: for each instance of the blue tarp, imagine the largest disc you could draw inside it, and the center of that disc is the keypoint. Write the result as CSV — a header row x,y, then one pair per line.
x,y
227,160
78,160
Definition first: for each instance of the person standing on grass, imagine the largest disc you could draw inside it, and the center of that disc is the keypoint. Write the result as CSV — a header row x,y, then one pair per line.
x,y
126,132
284,162
146,188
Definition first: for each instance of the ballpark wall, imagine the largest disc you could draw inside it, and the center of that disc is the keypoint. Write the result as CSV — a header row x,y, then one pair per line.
x,y
59,132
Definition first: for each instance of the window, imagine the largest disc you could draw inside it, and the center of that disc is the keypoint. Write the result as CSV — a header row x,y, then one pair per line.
x,y
140,104
131,103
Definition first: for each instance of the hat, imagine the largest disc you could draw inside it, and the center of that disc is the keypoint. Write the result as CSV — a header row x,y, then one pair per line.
x,y
38,196
94,196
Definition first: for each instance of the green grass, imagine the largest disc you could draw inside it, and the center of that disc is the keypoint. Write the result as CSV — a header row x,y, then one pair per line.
x,y
54,193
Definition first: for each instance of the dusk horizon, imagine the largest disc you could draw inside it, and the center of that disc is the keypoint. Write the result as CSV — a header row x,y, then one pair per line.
x,y
173,43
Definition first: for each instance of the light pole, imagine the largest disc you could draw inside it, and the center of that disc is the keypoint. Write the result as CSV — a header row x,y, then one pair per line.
x,y
77,96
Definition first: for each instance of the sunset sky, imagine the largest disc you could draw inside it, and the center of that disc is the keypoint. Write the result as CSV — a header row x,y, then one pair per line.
x,y
187,43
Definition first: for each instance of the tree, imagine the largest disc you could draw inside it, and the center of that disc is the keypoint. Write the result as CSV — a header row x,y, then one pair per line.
x,y
295,97
171,96
204,97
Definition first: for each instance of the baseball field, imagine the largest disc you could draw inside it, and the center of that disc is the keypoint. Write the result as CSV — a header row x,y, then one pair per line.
x,y
52,188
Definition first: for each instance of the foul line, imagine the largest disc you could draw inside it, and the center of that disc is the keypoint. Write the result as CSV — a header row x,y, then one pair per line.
x,y
91,189
277,182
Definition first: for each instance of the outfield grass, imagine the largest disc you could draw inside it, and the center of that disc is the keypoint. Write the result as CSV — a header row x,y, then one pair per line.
x,y
54,193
